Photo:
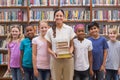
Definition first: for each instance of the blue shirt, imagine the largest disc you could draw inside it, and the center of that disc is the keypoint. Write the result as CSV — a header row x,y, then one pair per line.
x,y
26,47
99,45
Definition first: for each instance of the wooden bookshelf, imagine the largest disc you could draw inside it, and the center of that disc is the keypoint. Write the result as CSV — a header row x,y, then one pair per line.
x,y
13,7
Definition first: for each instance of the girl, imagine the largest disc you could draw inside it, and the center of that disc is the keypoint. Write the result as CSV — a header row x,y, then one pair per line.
x,y
26,54
40,54
83,54
14,52
60,33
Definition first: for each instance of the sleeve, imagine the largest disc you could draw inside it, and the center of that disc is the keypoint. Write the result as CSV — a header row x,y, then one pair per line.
x,y
105,44
48,35
21,45
90,46
72,34
34,41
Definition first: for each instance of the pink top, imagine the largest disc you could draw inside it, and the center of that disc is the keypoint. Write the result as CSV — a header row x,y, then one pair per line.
x,y
43,57
15,54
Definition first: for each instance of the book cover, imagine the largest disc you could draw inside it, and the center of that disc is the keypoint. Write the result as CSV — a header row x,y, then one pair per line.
x,y
62,50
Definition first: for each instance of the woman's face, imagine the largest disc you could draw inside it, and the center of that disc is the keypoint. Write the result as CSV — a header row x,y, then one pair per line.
x,y
59,17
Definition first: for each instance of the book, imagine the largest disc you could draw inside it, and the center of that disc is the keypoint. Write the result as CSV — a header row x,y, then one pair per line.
x,y
62,50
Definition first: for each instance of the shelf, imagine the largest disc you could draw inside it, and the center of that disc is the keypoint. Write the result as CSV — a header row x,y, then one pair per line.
x,y
68,21
43,7
3,65
3,36
13,7
13,22
106,6
111,21
74,6
4,51
5,78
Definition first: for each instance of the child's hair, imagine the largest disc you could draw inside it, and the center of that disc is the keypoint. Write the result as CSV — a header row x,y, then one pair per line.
x,y
113,29
93,24
78,25
54,25
42,22
9,37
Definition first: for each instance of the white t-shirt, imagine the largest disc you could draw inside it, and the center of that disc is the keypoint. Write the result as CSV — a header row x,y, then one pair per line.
x,y
65,34
43,57
81,54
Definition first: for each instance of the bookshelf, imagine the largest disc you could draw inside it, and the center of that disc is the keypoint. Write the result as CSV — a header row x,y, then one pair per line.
x,y
24,12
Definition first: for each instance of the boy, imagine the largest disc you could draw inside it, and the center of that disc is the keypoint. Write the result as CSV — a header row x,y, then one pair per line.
x,y
113,58
99,51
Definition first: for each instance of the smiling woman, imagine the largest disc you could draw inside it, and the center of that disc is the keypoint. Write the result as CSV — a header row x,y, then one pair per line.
x,y
60,33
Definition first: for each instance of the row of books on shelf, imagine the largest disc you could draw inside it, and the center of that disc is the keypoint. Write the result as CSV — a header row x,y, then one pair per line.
x,y
74,2
105,2
13,2
106,15
5,29
3,58
16,15
104,28
43,2
36,15
55,2
62,2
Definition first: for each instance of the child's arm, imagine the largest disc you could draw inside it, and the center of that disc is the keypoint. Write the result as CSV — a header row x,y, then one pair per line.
x,y
90,62
34,57
9,59
50,49
21,56
104,60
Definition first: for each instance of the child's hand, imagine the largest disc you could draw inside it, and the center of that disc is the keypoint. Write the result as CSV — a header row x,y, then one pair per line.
x,y
35,72
119,71
22,70
91,72
102,68
8,70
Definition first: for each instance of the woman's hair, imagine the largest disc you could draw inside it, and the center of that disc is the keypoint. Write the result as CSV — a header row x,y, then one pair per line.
x,y
54,25
93,24
10,37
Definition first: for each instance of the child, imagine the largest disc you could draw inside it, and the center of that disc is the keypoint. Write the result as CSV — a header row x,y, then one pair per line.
x,y
113,58
83,54
26,54
14,52
99,51
41,60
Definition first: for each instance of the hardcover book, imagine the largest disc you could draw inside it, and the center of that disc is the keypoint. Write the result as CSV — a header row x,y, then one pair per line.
x,y
62,50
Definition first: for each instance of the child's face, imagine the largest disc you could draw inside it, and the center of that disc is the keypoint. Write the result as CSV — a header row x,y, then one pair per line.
x,y
30,32
15,32
43,28
80,32
112,36
94,31
59,17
